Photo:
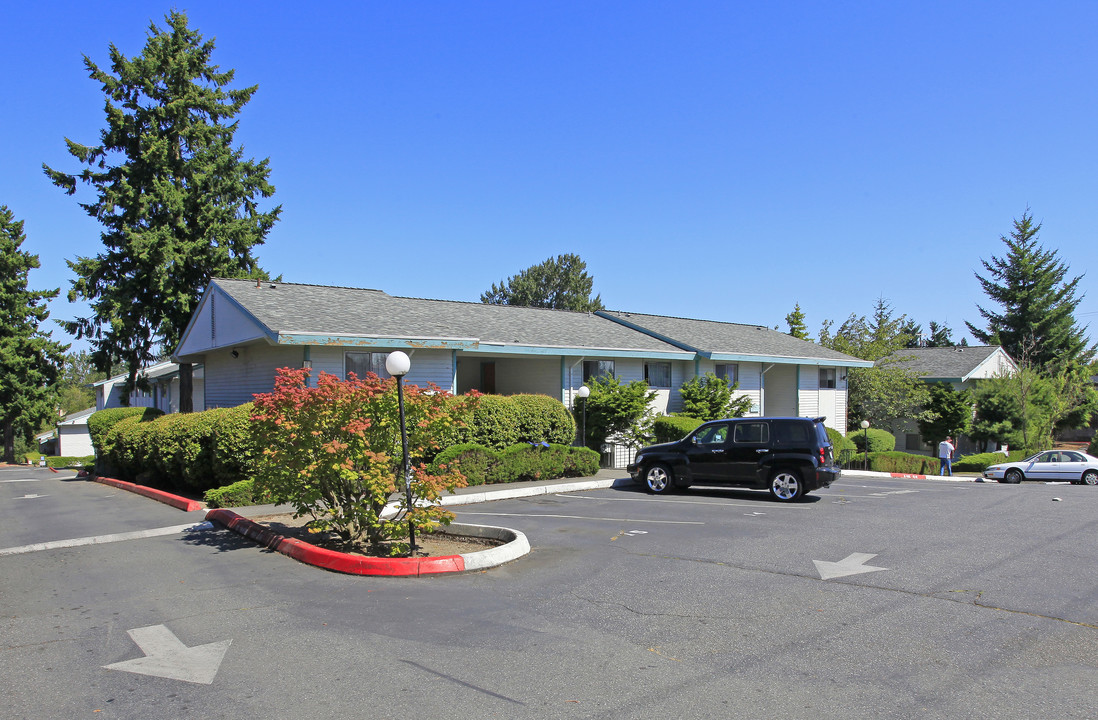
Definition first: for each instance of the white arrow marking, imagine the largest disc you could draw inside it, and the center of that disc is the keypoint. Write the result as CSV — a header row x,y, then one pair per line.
x,y
30,497
167,657
853,564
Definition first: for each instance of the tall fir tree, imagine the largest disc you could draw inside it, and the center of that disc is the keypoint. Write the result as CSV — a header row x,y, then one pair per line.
x,y
178,202
561,283
795,321
1037,305
30,361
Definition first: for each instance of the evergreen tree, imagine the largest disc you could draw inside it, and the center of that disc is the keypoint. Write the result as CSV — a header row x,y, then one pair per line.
x,y
561,283
940,336
177,200
1036,303
795,321
29,360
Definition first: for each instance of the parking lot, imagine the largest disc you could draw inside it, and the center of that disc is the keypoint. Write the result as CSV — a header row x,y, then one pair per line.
x,y
875,598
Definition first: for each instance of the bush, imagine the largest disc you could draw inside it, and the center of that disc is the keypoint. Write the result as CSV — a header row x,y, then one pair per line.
x,y
500,421
879,440
238,494
839,442
482,465
897,462
1092,449
670,428
980,461
100,424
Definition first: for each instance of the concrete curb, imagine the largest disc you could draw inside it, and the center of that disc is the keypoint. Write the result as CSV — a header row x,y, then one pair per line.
x,y
515,547
175,501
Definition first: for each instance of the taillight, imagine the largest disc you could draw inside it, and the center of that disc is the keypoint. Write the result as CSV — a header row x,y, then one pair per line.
x,y
823,456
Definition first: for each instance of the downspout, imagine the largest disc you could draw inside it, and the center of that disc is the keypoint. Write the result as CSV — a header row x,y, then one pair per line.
x,y
307,363
762,389
454,372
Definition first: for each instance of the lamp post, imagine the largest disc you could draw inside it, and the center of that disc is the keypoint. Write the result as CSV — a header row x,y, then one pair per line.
x,y
397,365
582,394
865,440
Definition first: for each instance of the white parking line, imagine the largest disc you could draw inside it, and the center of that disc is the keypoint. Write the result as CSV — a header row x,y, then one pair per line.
x,y
584,517
21,480
101,539
649,498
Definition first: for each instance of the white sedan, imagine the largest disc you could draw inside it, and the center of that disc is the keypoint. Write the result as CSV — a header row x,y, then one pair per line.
x,y
1050,465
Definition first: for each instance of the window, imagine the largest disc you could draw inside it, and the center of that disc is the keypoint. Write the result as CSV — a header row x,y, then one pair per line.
x,y
712,435
751,433
827,378
658,374
731,373
597,369
361,363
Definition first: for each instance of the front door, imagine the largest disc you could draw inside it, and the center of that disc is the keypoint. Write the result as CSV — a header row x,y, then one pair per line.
x,y
707,454
488,378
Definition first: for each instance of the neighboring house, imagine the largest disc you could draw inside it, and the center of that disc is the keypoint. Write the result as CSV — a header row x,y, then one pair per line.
x,y
961,366
242,331
73,438
163,394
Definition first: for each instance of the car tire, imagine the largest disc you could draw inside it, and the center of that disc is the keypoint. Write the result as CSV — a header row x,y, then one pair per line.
x,y
658,479
1014,476
1090,477
786,486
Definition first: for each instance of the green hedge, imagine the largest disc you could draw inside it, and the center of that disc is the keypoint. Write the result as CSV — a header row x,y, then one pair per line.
x,y
839,442
481,465
979,462
499,421
239,494
670,428
896,462
879,440
59,461
193,451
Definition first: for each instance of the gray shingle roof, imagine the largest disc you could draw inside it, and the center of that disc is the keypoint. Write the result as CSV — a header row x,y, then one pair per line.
x,y
942,363
713,337
288,308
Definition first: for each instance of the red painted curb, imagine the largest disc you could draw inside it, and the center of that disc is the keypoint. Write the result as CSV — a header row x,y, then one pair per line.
x,y
908,475
332,560
175,501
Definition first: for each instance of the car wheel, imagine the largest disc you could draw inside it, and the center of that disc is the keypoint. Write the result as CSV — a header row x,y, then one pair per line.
x,y
658,479
786,486
1014,476
1090,477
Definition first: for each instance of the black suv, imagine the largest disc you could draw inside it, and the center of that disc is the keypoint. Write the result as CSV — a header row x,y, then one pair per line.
x,y
788,456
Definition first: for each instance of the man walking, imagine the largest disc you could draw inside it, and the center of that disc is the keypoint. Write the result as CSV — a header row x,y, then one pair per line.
x,y
945,456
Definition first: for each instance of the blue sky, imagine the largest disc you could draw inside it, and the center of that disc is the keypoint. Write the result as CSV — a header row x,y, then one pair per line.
x,y
718,160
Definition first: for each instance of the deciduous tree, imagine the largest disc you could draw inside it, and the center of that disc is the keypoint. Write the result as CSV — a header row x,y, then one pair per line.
x,y
178,202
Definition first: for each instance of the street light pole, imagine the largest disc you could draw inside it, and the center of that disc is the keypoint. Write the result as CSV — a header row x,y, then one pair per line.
x,y
582,393
398,364
865,441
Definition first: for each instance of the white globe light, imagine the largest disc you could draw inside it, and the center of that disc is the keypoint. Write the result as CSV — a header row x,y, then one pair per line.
x,y
583,391
865,424
397,364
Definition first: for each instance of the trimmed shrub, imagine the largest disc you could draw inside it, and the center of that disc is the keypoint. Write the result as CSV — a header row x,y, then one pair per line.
x,y
879,440
897,462
543,419
1092,449
235,447
670,428
239,494
980,461
101,422
470,459
839,442
500,421
482,465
